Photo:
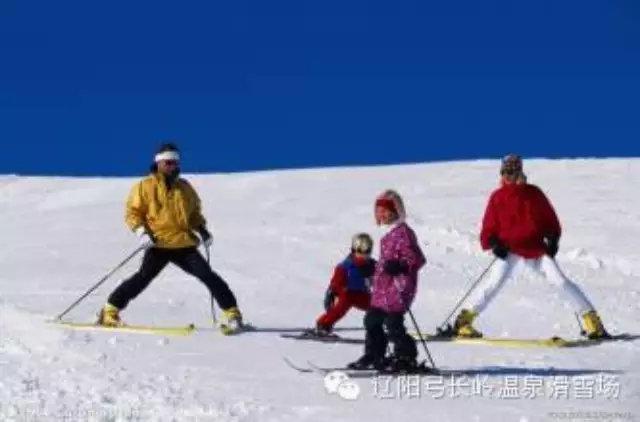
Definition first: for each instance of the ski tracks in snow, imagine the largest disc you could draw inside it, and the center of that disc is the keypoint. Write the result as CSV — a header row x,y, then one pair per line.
x,y
51,373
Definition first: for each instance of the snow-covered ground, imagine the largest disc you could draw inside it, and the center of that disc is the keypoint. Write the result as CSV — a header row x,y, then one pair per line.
x,y
277,237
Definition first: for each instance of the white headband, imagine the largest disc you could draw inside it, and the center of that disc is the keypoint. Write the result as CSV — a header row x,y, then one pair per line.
x,y
167,155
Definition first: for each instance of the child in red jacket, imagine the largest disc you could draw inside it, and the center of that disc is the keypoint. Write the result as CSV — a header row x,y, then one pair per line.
x,y
520,225
350,285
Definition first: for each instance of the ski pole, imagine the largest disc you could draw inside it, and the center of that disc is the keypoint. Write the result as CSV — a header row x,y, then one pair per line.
x,y
583,332
415,325
213,305
422,339
99,283
466,295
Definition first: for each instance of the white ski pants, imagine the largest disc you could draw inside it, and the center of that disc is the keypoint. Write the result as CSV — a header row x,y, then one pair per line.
x,y
502,270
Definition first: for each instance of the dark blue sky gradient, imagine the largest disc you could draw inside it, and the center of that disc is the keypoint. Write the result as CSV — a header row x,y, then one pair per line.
x,y
90,88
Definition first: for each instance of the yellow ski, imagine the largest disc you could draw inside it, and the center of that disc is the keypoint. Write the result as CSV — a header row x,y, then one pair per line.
x,y
182,330
523,342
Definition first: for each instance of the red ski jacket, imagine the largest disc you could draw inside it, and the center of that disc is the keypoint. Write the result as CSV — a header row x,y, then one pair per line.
x,y
520,216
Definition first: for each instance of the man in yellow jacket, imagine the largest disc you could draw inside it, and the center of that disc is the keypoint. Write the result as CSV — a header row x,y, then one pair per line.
x,y
164,211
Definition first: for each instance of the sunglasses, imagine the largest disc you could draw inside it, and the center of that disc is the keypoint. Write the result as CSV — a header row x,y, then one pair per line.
x,y
366,252
171,162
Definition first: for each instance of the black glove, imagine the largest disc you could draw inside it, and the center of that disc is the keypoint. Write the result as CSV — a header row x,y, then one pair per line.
x,y
395,267
551,245
498,249
368,269
329,298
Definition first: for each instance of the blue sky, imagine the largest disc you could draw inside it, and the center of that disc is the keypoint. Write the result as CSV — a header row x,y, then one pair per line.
x,y
91,88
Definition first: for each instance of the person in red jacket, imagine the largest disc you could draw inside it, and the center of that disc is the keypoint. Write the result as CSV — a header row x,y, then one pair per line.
x,y
349,286
520,225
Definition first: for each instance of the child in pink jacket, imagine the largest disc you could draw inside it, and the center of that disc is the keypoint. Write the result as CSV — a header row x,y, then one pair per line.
x,y
394,287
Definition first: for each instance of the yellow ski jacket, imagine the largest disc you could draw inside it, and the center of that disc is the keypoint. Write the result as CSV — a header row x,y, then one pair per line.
x,y
169,215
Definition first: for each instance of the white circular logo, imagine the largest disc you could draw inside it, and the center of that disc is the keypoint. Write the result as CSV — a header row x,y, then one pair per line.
x,y
333,380
338,382
349,390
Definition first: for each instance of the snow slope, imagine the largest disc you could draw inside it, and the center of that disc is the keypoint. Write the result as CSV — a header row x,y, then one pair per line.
x,y
277,238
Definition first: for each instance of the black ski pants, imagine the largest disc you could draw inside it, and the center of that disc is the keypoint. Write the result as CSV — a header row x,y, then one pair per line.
x,y
189,260
376,321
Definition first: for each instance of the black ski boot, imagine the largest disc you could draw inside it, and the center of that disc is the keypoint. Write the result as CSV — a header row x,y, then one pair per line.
x,y
369,362
402,365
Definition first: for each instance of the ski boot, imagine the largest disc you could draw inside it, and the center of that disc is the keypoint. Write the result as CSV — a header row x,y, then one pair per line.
x,y
232,321
463,325
593,327
369,362
109,316
320,331
407,365
402,365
